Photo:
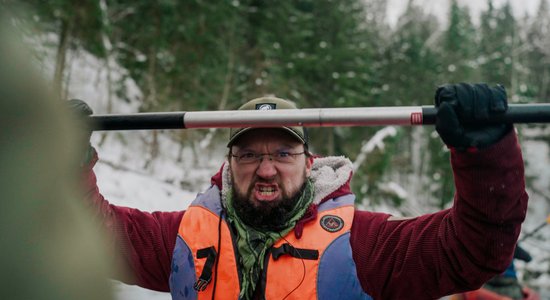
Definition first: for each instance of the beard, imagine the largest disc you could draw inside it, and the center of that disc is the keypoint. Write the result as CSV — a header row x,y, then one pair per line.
x,y
272,216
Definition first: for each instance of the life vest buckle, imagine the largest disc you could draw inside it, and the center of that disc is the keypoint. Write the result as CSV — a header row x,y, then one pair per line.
x,y
201,284
310,254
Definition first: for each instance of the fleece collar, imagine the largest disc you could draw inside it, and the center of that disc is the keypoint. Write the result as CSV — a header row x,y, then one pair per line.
x,y
330,175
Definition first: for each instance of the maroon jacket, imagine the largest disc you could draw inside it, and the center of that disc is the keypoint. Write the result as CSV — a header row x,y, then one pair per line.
x,y
421,258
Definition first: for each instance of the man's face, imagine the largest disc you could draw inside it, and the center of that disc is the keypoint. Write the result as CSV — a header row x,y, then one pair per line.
x,y
262,185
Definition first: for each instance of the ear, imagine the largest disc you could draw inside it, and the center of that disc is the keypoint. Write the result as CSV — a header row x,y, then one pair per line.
x,y
309,164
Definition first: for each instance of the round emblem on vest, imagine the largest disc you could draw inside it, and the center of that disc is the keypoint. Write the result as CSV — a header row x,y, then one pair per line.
x,y
332,223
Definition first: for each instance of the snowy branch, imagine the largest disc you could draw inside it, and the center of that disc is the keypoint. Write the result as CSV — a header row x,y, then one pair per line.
x,y
377,141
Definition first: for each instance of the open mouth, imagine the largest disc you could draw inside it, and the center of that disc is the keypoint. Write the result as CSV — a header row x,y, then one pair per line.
x,y
267,191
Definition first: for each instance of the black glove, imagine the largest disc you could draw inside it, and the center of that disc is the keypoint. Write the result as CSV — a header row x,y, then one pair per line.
x,y
79,107
461,104
81,110
522,254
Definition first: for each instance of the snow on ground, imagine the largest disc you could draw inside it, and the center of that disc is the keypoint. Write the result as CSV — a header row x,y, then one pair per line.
x,y
132,292
128,184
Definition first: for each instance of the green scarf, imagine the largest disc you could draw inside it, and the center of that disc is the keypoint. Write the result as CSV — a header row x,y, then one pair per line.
x,y
252,244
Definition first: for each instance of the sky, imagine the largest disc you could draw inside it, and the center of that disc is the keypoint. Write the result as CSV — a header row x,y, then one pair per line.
x,y
441,7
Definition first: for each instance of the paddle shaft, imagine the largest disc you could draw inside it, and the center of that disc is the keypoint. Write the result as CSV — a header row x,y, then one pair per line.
x,y
307,117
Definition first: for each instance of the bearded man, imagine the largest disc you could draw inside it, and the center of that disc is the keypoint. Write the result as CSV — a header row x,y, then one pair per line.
x,y
280,223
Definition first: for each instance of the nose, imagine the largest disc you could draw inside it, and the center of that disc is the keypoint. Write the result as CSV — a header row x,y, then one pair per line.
x,y
266,168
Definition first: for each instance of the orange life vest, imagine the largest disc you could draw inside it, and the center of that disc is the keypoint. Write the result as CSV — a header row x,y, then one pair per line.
x,y
319,265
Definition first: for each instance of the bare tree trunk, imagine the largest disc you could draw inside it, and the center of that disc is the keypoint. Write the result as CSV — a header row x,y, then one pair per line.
x,y
66,78
181,148
154,149
64,41
544,86
228,79
513,73
109,61
196,152
150,99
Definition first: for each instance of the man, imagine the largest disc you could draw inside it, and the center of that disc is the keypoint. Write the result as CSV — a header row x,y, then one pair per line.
x,y
278,223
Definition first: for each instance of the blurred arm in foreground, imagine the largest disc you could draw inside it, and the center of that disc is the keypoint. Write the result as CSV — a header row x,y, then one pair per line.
x,y
50,248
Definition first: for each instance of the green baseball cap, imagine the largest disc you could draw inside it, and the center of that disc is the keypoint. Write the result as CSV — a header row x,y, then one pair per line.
x,y
268,103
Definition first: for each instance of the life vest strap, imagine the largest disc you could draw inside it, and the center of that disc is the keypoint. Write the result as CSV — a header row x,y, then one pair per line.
x,y
206,276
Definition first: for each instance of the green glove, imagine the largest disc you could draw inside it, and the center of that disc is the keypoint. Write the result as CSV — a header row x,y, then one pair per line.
x,y
460,104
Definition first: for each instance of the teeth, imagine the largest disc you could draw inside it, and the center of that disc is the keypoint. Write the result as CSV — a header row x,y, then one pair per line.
x,y
267,190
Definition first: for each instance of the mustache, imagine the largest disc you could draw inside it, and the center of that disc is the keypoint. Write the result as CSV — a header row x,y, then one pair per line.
x,y
257,178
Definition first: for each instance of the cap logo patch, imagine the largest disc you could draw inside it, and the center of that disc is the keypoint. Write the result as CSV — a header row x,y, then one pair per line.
x,y
332,223
265,106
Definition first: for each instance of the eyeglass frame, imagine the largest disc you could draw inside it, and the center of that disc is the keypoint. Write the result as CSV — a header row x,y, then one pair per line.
x,y
258,157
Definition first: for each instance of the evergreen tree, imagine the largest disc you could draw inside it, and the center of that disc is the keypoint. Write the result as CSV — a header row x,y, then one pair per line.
x,y
536,86
320,55
498,41
180,53
410,73
413,65
458,54
200,55
458,46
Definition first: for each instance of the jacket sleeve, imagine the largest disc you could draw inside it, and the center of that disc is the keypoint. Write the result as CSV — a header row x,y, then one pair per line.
x,y
452,250
143,241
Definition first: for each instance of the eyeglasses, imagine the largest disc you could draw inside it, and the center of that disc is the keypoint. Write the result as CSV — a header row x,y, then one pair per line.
x,y
249,157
